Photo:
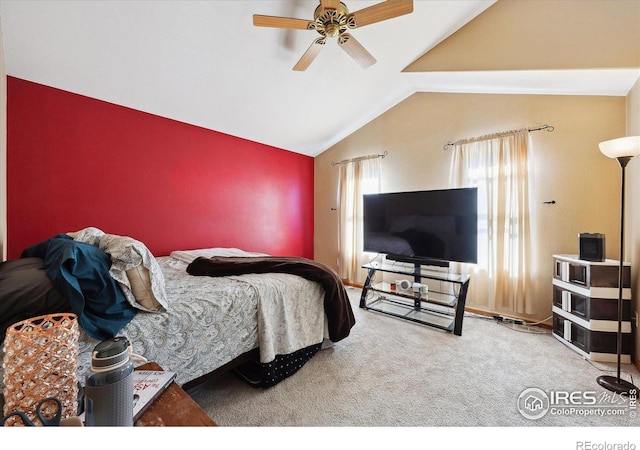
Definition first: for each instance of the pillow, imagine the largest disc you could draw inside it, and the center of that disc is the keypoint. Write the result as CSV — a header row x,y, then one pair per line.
x,y
140,281
90,235
188,256
26,291
137,271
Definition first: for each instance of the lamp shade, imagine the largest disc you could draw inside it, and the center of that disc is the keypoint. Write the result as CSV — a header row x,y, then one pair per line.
x,y
626,146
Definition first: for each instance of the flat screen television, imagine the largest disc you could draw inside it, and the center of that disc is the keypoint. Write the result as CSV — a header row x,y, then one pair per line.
x,y
433,227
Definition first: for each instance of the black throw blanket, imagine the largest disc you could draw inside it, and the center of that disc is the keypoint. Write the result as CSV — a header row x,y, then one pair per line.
x,y
336,302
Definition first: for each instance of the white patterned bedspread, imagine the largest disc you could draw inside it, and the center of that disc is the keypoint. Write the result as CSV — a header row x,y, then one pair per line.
x,y
212,320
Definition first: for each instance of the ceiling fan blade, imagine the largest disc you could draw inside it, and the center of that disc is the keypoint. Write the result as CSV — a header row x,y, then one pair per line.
x,y
281,22
356,50
329,4
310,54
382,11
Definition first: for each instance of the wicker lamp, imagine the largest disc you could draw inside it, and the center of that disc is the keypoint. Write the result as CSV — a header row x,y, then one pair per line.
x,y
40,361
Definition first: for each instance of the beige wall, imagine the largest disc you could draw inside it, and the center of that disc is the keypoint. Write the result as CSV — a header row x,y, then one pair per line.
x,y
632,224
541,34
568,166
551,34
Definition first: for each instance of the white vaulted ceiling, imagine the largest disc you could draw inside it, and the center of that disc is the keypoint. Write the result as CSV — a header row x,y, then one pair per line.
x,y
204,63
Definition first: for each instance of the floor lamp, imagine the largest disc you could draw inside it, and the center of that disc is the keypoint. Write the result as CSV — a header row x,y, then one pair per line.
x,y
622,149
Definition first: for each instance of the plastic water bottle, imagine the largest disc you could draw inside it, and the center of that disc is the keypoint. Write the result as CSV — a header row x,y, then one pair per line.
x,y
109,386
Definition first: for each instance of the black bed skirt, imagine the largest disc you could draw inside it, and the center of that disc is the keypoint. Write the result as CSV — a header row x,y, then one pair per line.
x,y
269,374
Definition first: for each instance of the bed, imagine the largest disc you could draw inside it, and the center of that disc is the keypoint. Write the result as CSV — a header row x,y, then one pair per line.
x,y
177,312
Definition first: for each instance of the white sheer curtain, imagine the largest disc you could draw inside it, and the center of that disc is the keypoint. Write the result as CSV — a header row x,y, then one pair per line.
x,y
357,177
498,165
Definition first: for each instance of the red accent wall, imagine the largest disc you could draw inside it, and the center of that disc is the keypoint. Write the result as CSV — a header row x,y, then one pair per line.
x,y
74,162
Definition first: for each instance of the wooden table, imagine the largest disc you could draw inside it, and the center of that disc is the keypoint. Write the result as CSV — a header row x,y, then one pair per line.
x,y
174,408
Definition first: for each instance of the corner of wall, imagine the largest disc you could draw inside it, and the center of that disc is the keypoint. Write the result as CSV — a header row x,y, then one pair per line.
x,y
3,151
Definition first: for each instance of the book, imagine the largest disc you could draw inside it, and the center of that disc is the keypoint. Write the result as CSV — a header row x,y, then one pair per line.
x,y
147,386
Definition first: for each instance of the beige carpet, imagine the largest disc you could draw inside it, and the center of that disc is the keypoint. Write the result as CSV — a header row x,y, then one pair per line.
x,y
391,372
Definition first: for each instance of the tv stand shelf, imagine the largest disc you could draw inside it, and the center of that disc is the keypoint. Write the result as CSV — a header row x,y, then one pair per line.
x,y
441,307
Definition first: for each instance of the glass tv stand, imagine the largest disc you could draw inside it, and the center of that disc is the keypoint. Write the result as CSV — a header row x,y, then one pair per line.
x,y
440,304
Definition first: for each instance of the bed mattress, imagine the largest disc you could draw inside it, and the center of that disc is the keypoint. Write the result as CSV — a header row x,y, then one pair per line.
x,y
212,320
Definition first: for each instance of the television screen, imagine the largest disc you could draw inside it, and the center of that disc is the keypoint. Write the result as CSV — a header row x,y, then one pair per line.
x,y
426,227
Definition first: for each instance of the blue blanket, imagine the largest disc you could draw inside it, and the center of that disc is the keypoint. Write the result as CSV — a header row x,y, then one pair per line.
x,y
80,271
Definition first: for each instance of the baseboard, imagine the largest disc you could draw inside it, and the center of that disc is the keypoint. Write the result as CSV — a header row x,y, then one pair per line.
x,y
352,284
546,325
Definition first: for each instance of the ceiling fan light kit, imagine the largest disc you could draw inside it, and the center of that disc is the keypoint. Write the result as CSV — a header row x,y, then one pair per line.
x,y
331,18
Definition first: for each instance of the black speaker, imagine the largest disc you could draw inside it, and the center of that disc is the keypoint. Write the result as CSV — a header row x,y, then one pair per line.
x,y
592,247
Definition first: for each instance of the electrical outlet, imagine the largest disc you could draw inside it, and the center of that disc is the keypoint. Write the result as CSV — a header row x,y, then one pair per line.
x,y
637,318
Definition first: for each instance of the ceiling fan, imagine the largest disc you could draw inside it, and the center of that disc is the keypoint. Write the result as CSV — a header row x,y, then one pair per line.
x,y
332,19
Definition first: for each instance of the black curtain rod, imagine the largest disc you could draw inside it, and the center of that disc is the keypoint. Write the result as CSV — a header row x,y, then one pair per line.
x,y
360,158
549,128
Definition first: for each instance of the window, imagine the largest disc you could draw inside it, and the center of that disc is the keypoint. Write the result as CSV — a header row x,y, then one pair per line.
x,y
498,166
357,177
